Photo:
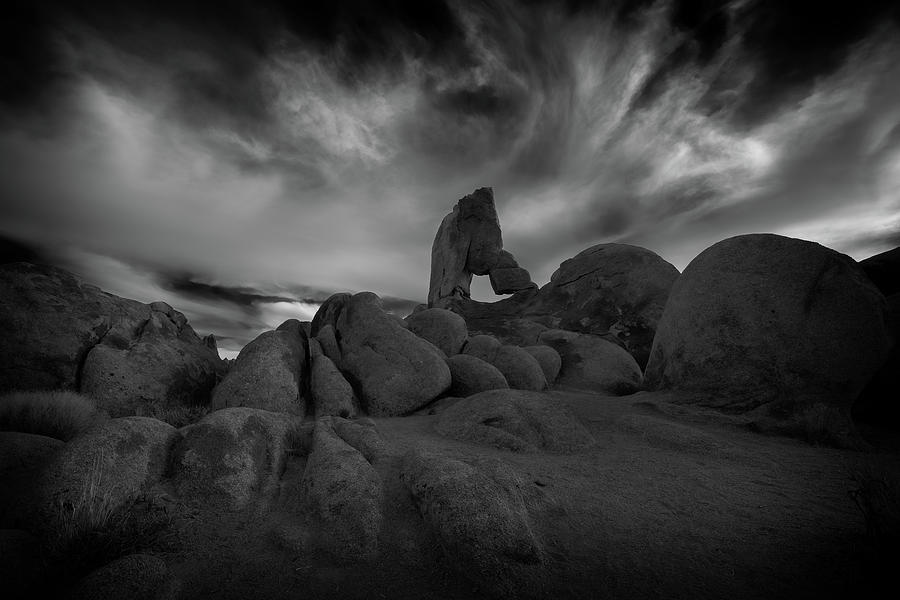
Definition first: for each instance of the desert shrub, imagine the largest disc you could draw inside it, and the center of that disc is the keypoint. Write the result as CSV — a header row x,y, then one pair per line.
x,y
877,495
93,529
176,416
57,414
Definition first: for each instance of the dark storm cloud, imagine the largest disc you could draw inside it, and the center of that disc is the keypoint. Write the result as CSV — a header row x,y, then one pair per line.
x,y
279,151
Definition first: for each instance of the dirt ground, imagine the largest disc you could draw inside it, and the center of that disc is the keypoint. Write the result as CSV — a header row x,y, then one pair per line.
x,y
671,503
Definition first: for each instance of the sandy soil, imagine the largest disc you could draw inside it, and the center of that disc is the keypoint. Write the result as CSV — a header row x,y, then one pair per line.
x,y
672,503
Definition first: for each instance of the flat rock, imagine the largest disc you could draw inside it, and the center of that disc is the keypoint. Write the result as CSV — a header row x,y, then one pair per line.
x,y
230,457
393,370
782,327
590,362
509,280
269,374
514,420
471,375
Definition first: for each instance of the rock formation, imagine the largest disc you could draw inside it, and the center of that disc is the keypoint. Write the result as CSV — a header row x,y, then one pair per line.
x,y
393,371
60,333
786,328
467,243
614,290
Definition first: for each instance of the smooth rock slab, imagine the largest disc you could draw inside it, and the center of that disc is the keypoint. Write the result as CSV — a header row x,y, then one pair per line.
x,y
230,457
343,493
482,524
268,373
514,420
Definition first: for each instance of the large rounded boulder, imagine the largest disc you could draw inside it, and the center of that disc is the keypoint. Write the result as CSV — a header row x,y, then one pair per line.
x,y
393,370
774,324
471,375
269,373
443,328
521,370
614,289
590,362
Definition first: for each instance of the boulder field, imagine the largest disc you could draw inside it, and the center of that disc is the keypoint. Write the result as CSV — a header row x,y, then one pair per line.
x,y
600,436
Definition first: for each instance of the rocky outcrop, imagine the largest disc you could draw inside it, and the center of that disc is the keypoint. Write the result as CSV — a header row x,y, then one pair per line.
x,y
269,373
331,394
782,327
343,495
614,289
590,362
468,242
167,365
443,328
229,457
393,370
520,369
60,333
478,516
471,375
514,420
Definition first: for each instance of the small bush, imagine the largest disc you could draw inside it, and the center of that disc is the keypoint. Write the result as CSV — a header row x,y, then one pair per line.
x,y
877,495
57,414
92,530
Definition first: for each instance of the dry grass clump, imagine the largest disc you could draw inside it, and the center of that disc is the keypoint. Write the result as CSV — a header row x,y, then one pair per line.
x,y
877,495
93,528
57,414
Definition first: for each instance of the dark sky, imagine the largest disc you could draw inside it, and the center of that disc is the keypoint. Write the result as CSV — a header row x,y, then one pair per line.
x,y
244,160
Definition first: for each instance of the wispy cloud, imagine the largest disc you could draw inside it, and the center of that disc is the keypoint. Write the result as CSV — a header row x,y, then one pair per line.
x,y
275,156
